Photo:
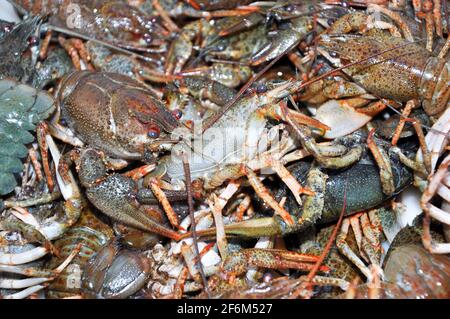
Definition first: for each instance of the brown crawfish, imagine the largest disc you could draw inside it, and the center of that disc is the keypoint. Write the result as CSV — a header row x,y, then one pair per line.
x,y
115,22
390,67
113,113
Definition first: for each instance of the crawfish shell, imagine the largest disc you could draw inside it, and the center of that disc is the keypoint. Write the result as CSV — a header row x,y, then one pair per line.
x,y
21,108
418,273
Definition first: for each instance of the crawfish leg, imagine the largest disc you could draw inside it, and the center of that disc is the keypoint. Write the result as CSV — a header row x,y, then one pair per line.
x,y
28,271
238,262
34,160
41,132
44,199
330,281
384,163
315,149
373,108
29,232
271,226
179,286
63,134
171,26
444,49
356,227
77,52
416,166
288,179
44,46
424,10
66,160
25,293
23,258
345,249
420,166
406,112
140,172
437,17
162,198
313,205
264,194
435,185
395,17
423,145
252,228
180,51
281,111
21,283
370,243
242,208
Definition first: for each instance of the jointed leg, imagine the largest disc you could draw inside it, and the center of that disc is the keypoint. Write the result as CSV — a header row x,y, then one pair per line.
x,y
345,249
36,165
34,284
162,198
264,194
371,240
41,132
77,52
356,227
382,159
438,183
317,151
140,172
406,112
242,208
238,262
44,45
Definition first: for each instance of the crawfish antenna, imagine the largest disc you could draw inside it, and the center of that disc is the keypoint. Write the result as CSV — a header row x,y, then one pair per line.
x,y
103,43
187,173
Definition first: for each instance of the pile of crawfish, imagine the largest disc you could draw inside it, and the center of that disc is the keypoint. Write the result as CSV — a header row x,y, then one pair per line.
x,y
225,149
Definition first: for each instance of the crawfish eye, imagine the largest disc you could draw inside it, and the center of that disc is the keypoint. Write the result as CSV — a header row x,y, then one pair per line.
x,y
289,8
7,28
261,88
32,41
177,113
153,132
148,38
334,54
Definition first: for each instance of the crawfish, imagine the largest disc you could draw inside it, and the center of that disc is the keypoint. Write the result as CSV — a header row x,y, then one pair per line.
x,y
255,108
115,22
92,234
232,47
387,66
303,19
410,271
124,122
115,272
54,67
129,124
13,44
26,260
324,206
329,186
